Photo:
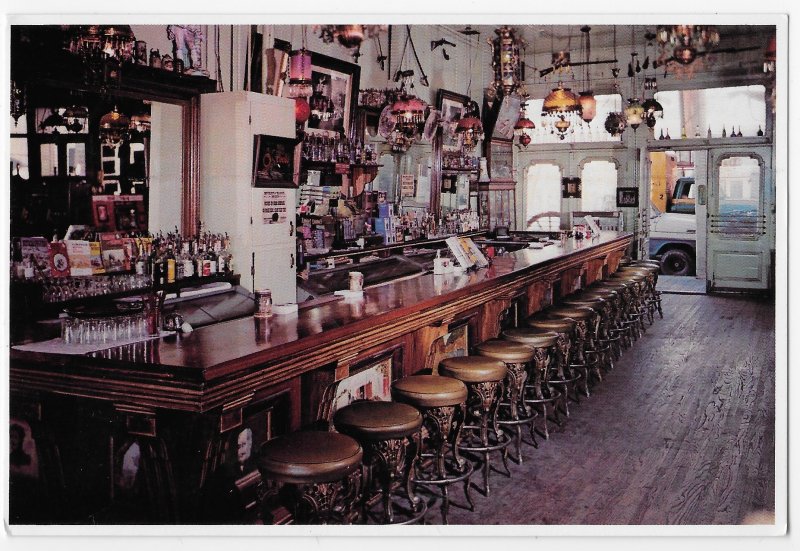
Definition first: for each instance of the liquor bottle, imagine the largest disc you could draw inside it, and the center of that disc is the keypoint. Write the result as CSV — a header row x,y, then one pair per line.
x,y
708,134
225,257
210,262
661,135
724,132
140,265
187,259
760,132
169,264
683,132
697,131
199,258
667,136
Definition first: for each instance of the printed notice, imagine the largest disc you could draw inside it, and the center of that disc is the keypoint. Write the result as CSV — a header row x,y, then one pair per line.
x,y
273,207
407,185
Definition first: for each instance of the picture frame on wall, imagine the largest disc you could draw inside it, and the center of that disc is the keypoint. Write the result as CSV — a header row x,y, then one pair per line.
x,y
451,105
627,197
334,86
274,161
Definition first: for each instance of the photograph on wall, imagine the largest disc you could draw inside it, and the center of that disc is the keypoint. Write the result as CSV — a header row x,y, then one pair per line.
x,y
451,106
23,460
334,89
627,197
273,161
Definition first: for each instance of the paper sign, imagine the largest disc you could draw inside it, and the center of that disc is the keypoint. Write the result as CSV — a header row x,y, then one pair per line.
x,y
273,207
407,185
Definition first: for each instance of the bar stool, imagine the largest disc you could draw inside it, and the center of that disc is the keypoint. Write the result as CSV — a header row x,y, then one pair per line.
x,y
627,320
615,329
513,411
441,402
584,335
566,377
539,391
639,310
601,349
384,430
320,472
484,379
653,295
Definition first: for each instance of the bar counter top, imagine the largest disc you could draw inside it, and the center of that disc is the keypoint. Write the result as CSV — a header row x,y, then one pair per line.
x,y
195,367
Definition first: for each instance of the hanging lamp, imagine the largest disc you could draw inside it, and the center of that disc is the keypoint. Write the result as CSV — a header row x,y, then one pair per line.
x,y
586,98
114,128
561,105
523,127
506,61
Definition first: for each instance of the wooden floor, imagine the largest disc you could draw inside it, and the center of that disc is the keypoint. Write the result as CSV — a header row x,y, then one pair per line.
x,y
681,432
681,285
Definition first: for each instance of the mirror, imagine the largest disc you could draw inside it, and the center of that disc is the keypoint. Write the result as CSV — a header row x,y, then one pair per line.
x,y
405,176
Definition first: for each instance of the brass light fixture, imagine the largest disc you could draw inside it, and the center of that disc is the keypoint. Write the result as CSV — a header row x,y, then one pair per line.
x,y
561,105
470,129
506,61
114,128
634,113
349,36
687,41
408,112
652,111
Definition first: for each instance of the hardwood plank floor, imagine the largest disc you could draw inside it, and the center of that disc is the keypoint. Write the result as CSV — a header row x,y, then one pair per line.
x,y
681,432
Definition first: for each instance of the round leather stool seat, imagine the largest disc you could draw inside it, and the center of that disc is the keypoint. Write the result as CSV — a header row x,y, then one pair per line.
x,y
529,336
630,275
473,369
310,456
574,312
585,301
506,351
377,420
429,391
561,325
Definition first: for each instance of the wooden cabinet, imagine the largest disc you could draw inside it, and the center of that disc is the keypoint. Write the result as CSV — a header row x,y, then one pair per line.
x,y
260,221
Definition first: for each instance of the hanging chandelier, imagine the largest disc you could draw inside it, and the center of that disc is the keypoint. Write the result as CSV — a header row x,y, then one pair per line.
x,y
561,106
76,117
408,120
615,123
634,113
18,101
103,49
114,128
506,62
471,131
349,36
523,127
687,41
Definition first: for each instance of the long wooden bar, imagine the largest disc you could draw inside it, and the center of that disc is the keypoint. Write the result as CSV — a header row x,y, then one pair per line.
x,y
187,394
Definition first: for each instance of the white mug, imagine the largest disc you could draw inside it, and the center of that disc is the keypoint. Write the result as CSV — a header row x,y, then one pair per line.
x,y
356,281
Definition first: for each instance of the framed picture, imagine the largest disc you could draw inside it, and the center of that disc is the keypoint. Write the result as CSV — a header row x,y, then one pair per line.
x,y
452,106
334,93
507,117
571,188
627,197
273,161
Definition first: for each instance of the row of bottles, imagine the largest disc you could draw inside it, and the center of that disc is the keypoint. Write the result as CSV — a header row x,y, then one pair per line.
x,y
172,257
330,149
734,133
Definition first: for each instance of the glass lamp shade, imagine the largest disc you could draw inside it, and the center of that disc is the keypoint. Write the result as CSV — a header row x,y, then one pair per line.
x,y
561,100
299,74
114,127
588,105
684,55
562,124
506,61
302,110
634,113
409,119
471,129
524,140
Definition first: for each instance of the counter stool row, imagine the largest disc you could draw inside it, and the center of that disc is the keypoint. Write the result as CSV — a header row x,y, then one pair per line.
x,y
478,405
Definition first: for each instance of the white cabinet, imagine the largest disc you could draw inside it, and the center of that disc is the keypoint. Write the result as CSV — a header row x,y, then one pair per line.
x,y
228,201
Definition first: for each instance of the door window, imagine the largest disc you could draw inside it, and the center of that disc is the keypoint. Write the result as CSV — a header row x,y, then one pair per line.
x,y
543,197
739,213
599,179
